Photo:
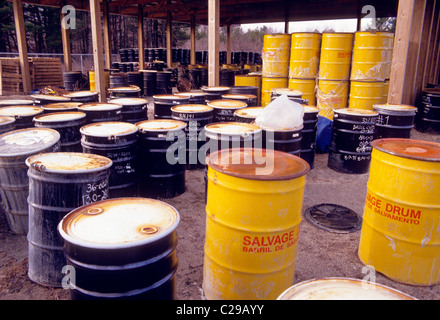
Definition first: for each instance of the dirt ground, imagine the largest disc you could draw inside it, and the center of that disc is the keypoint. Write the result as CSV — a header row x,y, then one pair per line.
x,y
320,253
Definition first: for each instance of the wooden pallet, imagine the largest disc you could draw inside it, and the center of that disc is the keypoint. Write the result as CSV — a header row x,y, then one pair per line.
x,y
44,72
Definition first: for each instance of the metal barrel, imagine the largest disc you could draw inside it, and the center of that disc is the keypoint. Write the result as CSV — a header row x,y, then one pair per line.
x,y
287,140
249,99
118,80
83,96
72,80
164,102
136,78
267,84
394,120
308,134
248,242
67,124
195,97
149,82
163,82
6,124
335,56
307,87
372,55
133,109
117,141
331,95
122,249
214,93
341,289
248,114
400,236
241,88
42,99
15,102
23,115
125,92
59,182
15,147
224,109
428,115
276,51
292,95
60,107
196,117
365,94
161,151
101,112
226,77
350,147
304,55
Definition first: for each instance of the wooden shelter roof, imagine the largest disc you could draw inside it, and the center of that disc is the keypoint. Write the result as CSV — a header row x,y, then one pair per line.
x,y
240,11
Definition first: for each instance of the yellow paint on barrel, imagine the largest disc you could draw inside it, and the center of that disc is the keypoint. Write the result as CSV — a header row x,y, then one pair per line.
x,y
267,84
306,86
304,55
400,234
335,59
253,213
276,51
365,94
331,94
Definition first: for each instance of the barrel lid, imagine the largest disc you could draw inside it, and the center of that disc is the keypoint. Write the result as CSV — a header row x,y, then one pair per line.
x,y
341,289
20,111
192,94
214,88
129,101
110,128
258,164
289,92
249,112
60,116
61,106
310,109
232,128
354,111
227,104
99,106
81,94
119,223
15,102
68,162
125,89
400,108
432,91
409,148
170,97
160,125
191,108
27,141
50,97
238,96
6,120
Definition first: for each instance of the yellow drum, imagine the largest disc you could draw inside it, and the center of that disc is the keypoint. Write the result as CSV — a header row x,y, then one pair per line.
x,y
372,55
92,79
365,94
331,94
307,87
251,79
267,84
400,234
276,51
335,61
253,213
304,55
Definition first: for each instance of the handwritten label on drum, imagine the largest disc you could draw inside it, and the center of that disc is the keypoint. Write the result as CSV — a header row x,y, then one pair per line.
x,y
95,191
270,243
392,211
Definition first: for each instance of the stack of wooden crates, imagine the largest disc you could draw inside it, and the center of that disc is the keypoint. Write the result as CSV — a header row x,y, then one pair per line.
x,y
44,72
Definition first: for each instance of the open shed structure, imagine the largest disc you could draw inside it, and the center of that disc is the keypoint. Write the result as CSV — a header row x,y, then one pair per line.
x,y
416,47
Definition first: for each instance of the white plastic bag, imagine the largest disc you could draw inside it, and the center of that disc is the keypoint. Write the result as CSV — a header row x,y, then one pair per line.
x,y
281,114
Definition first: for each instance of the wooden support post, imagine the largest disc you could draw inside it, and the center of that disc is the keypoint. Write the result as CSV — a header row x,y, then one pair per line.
x,y
432,37
213,42
193,40
141,52
95,16
107,34
169,40
22,46
228,44
406,51
65,39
